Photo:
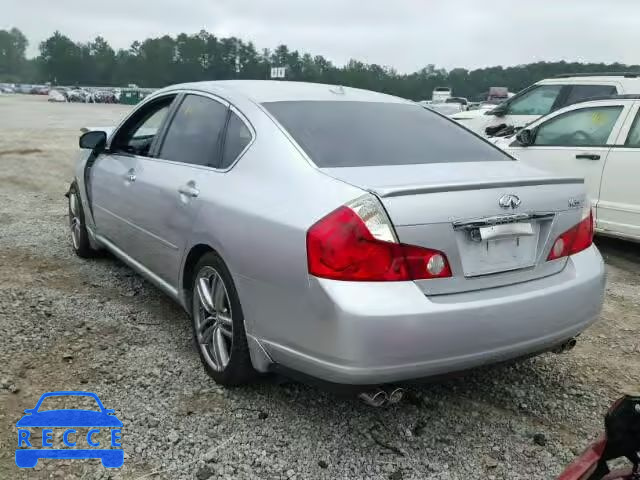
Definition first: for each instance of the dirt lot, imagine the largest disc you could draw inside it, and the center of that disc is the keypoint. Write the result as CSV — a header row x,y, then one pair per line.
x,y
70,324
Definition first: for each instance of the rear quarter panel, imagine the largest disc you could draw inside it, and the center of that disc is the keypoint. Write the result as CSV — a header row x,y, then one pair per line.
x,y
256,217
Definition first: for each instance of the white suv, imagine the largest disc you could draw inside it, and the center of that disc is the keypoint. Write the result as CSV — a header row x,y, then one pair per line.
x,y
598,140
547,96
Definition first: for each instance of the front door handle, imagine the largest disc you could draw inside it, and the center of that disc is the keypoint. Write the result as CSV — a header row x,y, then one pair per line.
x,y
189,190
588,156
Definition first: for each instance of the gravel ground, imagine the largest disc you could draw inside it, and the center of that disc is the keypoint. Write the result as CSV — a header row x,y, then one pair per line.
x,y
71,324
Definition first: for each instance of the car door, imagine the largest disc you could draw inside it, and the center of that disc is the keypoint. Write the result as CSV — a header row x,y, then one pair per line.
x,y
113,175
575,141
619,206
169,183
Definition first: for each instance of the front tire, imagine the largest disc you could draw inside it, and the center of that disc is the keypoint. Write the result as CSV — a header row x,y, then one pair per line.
x,y
79,235
218,323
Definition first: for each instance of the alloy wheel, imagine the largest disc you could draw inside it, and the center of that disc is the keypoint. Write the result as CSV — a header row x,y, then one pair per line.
x,y
75,223
213,318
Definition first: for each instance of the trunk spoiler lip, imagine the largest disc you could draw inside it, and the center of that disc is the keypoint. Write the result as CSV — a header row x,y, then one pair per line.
x,y
399,191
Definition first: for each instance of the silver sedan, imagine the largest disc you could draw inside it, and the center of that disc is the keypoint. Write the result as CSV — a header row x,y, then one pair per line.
x,y
348,235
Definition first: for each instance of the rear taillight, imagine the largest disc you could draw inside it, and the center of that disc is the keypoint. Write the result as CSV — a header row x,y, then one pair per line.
x,y
574,240
356,242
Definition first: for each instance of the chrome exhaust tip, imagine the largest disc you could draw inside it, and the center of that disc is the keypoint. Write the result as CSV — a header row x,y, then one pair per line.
x,y
396,395
375,398
566,346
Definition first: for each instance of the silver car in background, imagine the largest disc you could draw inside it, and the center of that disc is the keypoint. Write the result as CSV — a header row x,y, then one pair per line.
x,y
348,235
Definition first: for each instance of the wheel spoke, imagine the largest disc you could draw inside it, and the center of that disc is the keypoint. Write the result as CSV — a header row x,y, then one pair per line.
x,y
220,345
205,330
226,331
224,319
213,348
73,204
219,294
204,293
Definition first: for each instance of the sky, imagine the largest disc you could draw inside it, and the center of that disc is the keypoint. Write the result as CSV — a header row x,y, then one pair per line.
x,y
403,34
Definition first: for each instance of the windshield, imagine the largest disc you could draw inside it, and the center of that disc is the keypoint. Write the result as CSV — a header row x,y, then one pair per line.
x,y
356,134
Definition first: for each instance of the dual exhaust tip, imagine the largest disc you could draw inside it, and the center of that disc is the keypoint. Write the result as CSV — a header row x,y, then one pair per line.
x,y
379,397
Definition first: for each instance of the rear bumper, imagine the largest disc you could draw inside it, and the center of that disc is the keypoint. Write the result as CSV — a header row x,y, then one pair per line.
x,y
385,332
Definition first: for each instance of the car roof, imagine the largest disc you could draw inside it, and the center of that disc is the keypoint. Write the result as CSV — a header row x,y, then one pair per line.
x,y
631,97
261,91
629,80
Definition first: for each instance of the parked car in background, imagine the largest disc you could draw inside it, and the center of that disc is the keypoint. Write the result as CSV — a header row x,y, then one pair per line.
x,y
57,95
23,88
600,141
440,94
443,108
39,90
498,94
349,235
548,96
463,102
7,88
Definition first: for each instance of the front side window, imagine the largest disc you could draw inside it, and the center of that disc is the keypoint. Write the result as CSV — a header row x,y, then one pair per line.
x,y
194,134
537,101
137,135
584,127
237,138
357,134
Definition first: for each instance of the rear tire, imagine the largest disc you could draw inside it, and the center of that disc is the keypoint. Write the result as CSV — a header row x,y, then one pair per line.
x,y
218,323
79,235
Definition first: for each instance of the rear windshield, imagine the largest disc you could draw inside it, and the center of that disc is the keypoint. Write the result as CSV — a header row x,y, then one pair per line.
x,y
357,134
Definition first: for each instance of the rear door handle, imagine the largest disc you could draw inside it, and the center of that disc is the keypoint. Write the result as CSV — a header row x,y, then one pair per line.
x,y
189,190
588,156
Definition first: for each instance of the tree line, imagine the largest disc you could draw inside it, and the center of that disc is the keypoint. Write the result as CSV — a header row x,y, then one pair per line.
x,y
156,62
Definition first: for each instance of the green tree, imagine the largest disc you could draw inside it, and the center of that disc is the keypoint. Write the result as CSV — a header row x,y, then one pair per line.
x,y
156,62
103,61
13,45
61,60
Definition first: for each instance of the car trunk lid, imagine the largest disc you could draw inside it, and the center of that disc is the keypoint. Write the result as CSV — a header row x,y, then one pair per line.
x,y
495,221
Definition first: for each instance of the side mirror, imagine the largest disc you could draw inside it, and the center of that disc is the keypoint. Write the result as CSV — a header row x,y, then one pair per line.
x,y
109,411
525,137
499,111
94,140
29,410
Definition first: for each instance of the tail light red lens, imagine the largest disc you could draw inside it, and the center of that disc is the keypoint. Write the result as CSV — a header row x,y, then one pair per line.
x,y
341,247
574,240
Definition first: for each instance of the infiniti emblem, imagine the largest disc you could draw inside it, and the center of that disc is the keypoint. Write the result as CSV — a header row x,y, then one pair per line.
x,y
509,201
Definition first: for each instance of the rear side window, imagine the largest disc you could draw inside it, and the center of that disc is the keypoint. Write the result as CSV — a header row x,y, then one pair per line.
x,y
578,93
194,134
237,139
356,134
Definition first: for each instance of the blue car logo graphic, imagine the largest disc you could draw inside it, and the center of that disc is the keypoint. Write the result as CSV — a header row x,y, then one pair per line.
x,y
29,452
